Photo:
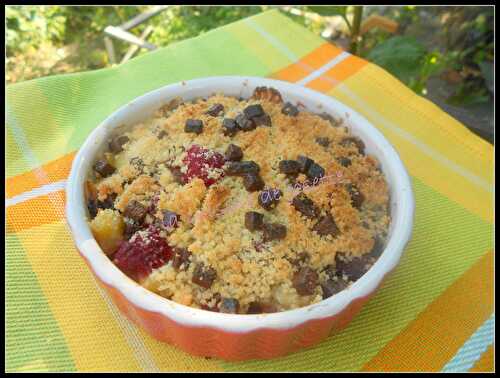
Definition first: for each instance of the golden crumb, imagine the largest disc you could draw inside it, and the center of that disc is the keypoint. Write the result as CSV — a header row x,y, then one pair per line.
x,y
346,207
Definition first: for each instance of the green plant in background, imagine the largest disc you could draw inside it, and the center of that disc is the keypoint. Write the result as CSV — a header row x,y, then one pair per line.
x,y
44,40
468,50
469,37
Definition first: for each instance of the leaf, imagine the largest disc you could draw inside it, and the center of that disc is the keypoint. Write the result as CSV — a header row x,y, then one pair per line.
x,y
487,71
401,56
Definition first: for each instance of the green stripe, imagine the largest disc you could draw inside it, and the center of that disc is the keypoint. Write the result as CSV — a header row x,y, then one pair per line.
x,y
447,240
296,38
16,162
298,41
57,113
62,110
33,340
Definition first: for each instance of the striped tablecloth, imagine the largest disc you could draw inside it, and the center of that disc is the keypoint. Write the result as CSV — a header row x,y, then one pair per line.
x,y
434,313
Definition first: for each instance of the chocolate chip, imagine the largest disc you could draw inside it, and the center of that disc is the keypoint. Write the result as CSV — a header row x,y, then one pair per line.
x,y
229,306
181,259
300,259
253,220
170,219
253,111
269,198
323,141
304,163
194,126
229,126
348,141
92,207
274,231
378,247
104,168
215,109
331,287
233,153
108,203
177,174
269,94
135,211
131,227
237,168
305,281
252,182
305,205
289,167
259,308
116,144
244,123
326,226
329,118
353,267
290,109
330,271
357,198
204,277
315,171
344,161
263,120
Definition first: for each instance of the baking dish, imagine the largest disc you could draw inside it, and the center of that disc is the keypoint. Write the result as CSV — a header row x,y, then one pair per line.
x,y
230,336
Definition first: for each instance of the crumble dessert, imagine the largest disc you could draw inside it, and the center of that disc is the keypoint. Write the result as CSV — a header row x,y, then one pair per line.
x,y
239,205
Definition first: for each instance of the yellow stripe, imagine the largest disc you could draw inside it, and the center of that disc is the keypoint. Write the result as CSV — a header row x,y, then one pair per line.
x,y
434,337
53,171
427,121
434,173
169,358
36,211
93,336
486,362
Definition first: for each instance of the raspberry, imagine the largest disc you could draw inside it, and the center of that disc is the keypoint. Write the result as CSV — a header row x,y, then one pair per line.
x,y
144,252
200,162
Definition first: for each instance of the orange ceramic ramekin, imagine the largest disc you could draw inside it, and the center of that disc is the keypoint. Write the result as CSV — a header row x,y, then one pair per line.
x,y
230,336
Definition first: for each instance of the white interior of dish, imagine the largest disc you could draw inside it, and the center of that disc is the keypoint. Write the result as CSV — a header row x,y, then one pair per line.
x,y
402,202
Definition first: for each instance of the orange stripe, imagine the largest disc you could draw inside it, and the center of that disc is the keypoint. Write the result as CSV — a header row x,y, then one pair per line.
x,y
36,211
485,363
338,73
432,339
55,170
314,60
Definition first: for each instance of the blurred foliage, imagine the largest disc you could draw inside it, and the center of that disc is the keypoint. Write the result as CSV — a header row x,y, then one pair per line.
x,y
459,47
470,38
44,40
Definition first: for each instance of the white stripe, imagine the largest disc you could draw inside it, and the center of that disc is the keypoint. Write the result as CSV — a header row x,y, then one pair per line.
x,y
374,114
40,191
320,71
131,334
272,40
473,348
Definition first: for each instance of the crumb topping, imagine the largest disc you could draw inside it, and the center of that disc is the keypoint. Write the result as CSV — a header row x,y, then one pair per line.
x,y
253,201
